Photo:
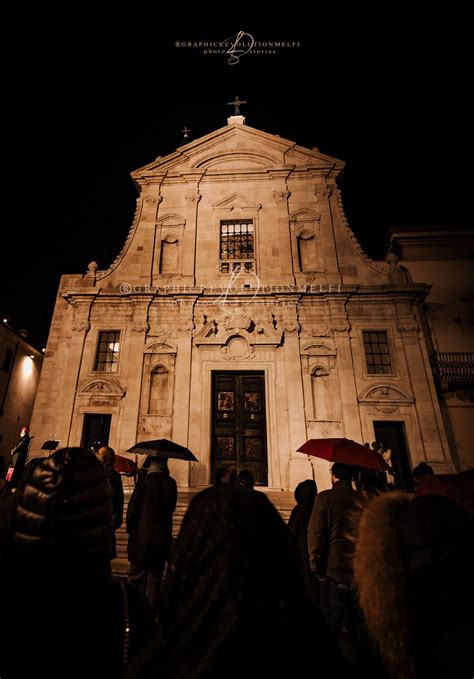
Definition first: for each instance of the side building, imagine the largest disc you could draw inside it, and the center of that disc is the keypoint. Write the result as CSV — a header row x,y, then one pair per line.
x,y
240,319
444,256
20,369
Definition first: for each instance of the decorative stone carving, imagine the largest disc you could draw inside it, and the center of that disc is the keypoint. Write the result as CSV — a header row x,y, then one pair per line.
x,y
154,200
341,329
141,327
193,198
321,331
101,388
238,349
386,409
408,328
386,394
81,326
238,321
322,192
291,327
281,196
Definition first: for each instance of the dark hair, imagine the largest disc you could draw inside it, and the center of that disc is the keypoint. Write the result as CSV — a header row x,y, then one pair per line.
x,y
245,478
422,469
343,472
225,475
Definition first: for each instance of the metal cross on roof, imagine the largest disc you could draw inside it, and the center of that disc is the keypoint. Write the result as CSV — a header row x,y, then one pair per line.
x,y
185,132
236,103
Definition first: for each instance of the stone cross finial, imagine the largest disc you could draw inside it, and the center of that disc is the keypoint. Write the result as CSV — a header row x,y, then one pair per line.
x,y
236,103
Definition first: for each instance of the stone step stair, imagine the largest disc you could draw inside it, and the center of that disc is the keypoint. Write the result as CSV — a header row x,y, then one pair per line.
x,y
283,501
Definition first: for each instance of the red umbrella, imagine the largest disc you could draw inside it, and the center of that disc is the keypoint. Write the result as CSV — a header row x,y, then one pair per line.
x,y
346,451
125,465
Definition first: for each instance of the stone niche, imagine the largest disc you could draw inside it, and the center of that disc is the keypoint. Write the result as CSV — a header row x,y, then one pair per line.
x,y
168,248
323,407
306,241
156,403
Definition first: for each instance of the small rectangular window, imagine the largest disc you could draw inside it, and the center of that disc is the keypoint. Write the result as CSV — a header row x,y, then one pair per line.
x,y
377,355
7,361
108,348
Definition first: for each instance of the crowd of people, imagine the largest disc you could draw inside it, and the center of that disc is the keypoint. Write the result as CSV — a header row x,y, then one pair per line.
x,y
362,579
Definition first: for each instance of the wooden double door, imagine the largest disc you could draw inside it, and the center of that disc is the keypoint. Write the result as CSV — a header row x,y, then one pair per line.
x,y
238,423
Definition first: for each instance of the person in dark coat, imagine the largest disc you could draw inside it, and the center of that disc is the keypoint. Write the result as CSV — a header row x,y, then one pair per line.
x,y
305,495
19,456
150,526
232,603
107,456
329,547
62,614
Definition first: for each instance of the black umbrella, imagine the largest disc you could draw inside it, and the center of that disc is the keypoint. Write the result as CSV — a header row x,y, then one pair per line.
x,y
163,448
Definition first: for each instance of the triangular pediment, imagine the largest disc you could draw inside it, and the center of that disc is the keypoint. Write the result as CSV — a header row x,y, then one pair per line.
x,y
237,148
236,202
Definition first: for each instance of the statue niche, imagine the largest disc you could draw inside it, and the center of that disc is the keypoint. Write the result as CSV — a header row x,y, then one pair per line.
x,y
169,258
305,234
158,397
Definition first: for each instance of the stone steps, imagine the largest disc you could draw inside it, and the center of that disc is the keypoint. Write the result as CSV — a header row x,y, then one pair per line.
x,y
283,500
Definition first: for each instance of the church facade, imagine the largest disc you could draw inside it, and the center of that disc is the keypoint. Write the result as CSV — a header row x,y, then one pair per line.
x,y
240,319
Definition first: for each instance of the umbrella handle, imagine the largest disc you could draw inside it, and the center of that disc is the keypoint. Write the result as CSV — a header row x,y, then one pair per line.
x,y
312,468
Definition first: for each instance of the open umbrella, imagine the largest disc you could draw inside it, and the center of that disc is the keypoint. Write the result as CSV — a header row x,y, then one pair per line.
x,y
346,451
163,448
125,466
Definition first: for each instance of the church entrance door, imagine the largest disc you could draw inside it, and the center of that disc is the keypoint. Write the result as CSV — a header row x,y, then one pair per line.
x,y
238,423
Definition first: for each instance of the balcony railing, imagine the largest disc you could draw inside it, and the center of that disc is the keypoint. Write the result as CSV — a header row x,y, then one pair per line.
x,y
453,368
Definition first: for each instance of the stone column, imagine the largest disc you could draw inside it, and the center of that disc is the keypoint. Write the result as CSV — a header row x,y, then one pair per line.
x,y
299,466
134,342
181,400
192,198
284,236
430,421
323,196
341,328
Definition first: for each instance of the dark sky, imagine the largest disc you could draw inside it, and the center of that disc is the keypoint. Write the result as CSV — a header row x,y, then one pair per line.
x,y
96,100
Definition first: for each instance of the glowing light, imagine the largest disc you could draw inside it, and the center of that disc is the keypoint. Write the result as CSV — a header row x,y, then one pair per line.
x,y
5,320
32,356
27,367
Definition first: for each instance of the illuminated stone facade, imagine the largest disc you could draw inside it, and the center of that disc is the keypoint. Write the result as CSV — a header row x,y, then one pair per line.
x,y
240,269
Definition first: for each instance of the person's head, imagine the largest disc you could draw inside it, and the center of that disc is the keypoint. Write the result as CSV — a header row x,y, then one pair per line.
x,y
341,472
422,469
245,478
158,464
225,475
106,455
306,491
25,431
64,516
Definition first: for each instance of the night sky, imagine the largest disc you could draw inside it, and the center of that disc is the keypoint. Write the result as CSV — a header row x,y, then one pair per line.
x,y
98,99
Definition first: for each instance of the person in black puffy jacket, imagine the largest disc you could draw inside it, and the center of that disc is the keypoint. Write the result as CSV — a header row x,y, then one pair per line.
x,y
62,614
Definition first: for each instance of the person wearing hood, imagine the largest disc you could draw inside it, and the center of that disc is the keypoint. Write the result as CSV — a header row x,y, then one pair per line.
x,y
149,526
